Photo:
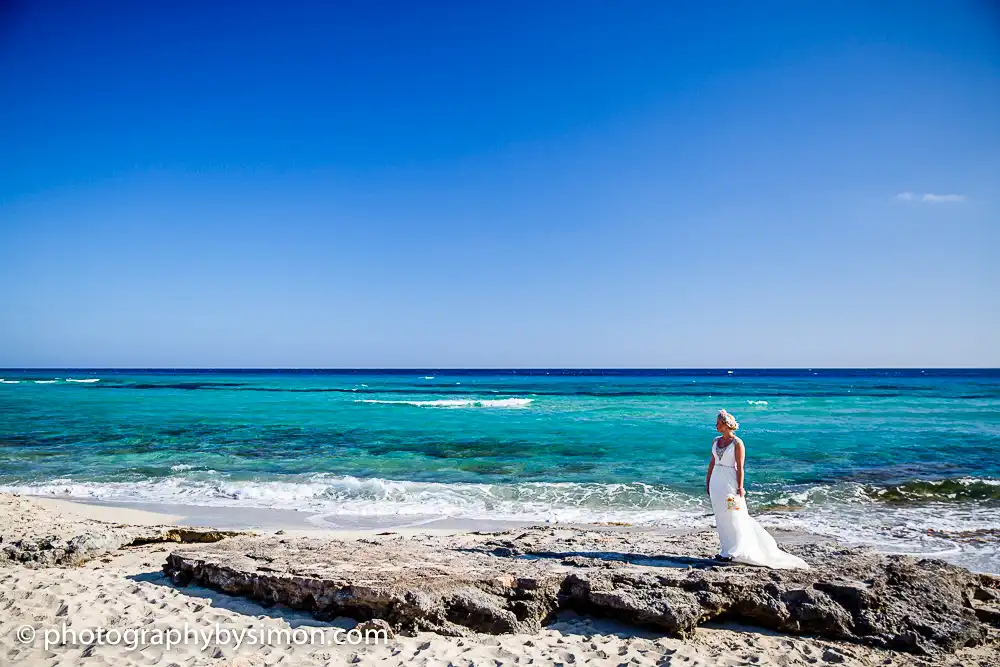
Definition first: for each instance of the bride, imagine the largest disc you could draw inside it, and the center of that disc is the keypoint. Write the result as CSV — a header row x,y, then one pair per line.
x,y
743,539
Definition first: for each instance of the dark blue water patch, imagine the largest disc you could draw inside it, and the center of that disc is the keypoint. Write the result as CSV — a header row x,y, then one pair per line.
x,y
490,469
224,386
461,448
40,440
169,385
891,474
281,440
883,391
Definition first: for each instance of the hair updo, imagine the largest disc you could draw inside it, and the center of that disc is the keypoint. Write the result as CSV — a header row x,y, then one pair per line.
x,y
728,420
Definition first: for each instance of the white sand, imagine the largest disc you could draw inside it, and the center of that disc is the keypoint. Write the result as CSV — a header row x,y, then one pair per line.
x,y
135,517
126,591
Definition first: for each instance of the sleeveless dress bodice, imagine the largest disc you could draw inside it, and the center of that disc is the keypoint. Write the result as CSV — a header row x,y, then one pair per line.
x,y
724,456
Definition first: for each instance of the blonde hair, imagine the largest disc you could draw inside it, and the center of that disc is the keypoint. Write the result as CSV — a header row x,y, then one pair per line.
x,y
728,419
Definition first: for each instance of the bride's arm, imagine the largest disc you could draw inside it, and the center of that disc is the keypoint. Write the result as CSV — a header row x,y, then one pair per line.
x,y
708,475
740,454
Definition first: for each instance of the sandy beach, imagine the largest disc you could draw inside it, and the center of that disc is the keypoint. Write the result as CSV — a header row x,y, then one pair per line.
x,y
125,589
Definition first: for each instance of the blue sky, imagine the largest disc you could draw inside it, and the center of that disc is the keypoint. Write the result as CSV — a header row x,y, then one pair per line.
x,y
478,184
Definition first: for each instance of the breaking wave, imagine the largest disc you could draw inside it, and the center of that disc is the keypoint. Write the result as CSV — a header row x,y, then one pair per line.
x,y
331,496
965,533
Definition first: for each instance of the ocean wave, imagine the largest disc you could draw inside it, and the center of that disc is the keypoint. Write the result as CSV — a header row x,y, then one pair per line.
x,y
964,533
87,380
752,402
914,529
332,496
457,403
962,530
44,381
635,501
2,381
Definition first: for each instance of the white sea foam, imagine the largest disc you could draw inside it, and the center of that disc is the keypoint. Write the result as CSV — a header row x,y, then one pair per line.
x,y
752,402
85,380
45,381
428,377
848,513
2,381
332,496
510,403
845,512
181,467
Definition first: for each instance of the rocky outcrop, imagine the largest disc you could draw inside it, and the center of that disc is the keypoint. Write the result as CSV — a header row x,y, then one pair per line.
x,y
34,536
515,581
54,550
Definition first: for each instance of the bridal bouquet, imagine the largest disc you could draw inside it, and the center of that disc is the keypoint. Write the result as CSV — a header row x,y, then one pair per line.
x,y
733,503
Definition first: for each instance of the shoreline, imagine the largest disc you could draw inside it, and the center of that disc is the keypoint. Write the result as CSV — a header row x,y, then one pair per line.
x,y
127,587
298,522
961,534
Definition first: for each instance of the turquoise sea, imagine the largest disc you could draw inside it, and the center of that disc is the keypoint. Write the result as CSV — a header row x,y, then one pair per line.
x,y
906,461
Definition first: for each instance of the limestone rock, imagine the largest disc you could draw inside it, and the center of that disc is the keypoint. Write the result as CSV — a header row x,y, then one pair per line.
x,y
516,581
36,537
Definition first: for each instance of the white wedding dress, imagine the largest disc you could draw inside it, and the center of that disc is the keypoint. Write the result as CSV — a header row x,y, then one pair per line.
x,y
743,539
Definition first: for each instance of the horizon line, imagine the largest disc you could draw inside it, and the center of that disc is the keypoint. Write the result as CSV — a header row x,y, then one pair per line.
x,y
498,368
